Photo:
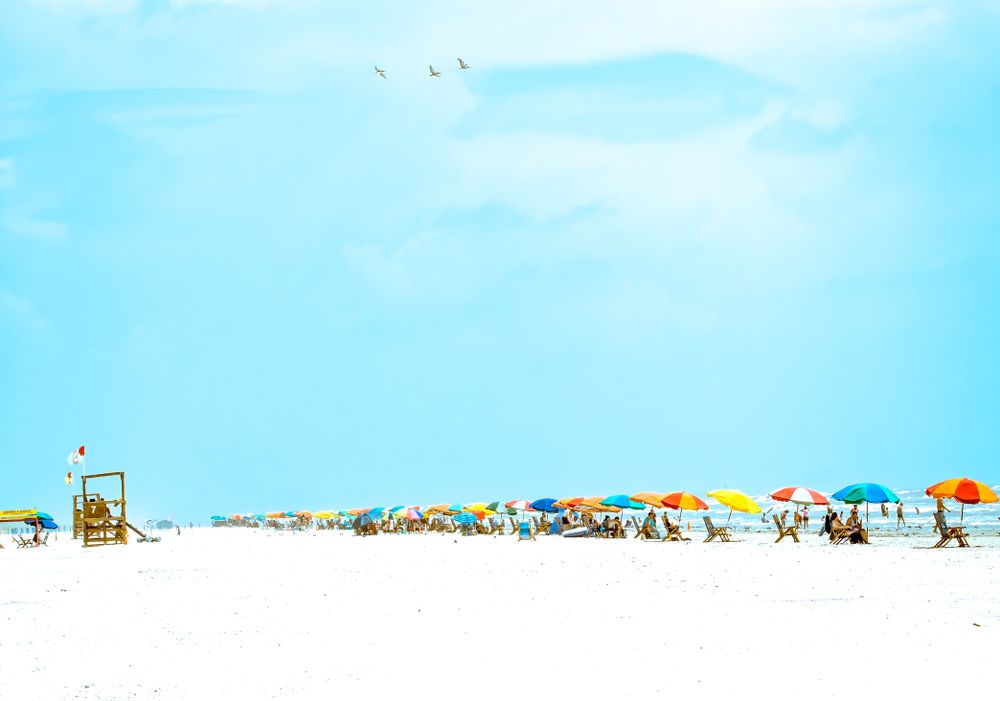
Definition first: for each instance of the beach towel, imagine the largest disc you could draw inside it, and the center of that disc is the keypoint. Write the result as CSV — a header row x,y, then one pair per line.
x,y
524,531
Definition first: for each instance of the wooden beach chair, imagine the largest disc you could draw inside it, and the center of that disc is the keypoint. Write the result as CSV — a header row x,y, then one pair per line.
x,y
22,542
716,532
783,531
950,533
674,532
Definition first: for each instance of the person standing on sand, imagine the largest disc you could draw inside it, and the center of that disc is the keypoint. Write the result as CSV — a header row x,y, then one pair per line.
x,y
899,516
941,508
784,515
805,517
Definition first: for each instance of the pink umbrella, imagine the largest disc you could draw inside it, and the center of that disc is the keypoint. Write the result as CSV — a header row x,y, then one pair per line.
x,y
799,495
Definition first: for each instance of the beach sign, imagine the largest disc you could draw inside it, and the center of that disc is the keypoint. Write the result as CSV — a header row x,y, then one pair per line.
x,y
18,514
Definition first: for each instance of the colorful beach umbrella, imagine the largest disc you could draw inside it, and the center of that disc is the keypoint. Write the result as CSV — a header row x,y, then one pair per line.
x,y
569,502
413,514
799,495
323,514
682,501
964,491
546,505
357,512
218,518
867,492
649,499
735,500
596,504
621,501
519,504
465,518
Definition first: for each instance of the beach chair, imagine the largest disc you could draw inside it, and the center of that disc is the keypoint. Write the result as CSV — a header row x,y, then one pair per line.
x,y
950,533
22,542
783,531
525,531
674,532
713,532
513,525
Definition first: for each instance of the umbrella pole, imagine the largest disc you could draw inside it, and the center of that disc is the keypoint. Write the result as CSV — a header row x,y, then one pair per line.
x,y
963,513
729,516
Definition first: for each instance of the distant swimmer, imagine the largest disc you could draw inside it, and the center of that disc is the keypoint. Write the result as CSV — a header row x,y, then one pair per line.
x,y
380,72
434,73
462,65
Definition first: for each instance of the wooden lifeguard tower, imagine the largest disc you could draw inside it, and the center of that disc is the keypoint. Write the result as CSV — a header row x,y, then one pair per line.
x,y
78,513
102,521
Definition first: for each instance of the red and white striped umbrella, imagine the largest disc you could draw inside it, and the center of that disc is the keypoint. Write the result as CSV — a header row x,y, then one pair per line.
x,y
799,495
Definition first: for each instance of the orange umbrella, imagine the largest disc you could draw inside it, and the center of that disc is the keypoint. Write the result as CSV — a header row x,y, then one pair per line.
x,y
594,504
275,514
570,503
357,512
681,501
964,491
648,498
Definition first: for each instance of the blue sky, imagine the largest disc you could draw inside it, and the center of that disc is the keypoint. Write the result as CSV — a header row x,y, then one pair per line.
x,y
669,246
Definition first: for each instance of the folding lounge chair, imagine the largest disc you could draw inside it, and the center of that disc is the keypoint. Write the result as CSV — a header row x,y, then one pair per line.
x,y
721,533
525,531
22,542
950,533
783,531
674,532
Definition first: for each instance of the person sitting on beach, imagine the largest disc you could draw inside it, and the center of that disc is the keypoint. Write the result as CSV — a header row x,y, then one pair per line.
x,y
606,525
616,528
941,508
834,524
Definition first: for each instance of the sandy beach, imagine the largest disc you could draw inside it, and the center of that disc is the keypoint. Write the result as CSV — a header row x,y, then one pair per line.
x,y
246,613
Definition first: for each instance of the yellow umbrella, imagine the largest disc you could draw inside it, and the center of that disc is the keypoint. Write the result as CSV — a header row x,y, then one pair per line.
x,y
480,506
323,514
735,500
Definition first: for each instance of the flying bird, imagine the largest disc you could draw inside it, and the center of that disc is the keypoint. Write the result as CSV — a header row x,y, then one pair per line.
x,y
380,71
434,73
462,65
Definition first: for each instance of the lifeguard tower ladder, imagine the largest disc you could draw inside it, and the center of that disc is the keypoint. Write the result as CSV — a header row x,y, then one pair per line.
x,y
102,520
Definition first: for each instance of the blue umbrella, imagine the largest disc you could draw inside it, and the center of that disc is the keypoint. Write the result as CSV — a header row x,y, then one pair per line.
x,y
42,516
376,513
465,518
545,505
49,524
289,514
218,518
622,501
867,492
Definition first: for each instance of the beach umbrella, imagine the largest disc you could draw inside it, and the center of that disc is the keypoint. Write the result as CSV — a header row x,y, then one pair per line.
x,y
545,505
275,514
218,518
237,517
323,514
456,508
569,503
357,512
519,505
735,500
465,518
289,514
376,513
496,506
653,499
964,491
303,514
413,514
597,504
867,492
681,501
799,495
621,501
42,516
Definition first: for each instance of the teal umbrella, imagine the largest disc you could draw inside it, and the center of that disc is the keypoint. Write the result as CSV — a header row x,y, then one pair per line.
x,y
867,492
622,501
218,518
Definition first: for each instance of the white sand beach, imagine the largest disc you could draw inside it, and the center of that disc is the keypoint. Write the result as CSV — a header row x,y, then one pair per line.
x,y
255,614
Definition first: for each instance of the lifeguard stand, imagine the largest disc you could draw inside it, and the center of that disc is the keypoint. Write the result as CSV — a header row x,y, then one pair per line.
x,y
78,514
103,520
